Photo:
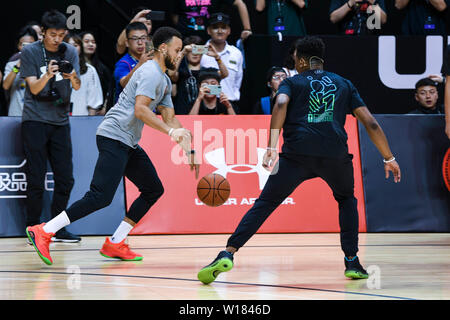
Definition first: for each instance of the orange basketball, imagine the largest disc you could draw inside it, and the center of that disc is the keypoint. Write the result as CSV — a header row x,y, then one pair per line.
x,y
213,190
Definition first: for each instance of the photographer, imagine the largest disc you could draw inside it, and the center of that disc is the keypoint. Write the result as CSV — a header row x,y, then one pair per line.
x,y
351,16
209,102
50,69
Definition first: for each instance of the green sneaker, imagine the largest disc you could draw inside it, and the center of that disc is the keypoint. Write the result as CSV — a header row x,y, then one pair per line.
x,y
223,263
354,270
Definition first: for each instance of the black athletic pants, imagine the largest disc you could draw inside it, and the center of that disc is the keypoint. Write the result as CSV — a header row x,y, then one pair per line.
x,y
42,142
292,171
116,160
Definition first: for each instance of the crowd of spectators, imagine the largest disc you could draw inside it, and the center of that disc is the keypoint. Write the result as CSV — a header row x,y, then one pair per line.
x,y
208,52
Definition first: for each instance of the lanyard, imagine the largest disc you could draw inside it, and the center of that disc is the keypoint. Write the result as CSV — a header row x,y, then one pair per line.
x,y
45,55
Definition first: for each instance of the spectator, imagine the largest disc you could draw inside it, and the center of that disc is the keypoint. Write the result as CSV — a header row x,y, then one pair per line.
x,y
88,100
92,57
285,16
206,103
13,84
45,118
219,30
137,55
186,75
446,79
423,17
289,62
427,98
139,16
37,27
275,76
351,16
190,16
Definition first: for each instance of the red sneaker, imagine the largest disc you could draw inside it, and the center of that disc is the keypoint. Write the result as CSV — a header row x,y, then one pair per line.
x,y
41,241
119,250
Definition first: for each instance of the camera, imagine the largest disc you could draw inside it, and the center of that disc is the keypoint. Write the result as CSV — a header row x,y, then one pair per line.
x,y
64,66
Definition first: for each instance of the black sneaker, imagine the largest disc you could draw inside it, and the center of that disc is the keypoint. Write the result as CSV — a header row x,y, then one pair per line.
x,y
223,263
65,236
354,270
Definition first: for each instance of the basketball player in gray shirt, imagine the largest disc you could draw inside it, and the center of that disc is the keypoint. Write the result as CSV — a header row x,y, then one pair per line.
x,y
148,91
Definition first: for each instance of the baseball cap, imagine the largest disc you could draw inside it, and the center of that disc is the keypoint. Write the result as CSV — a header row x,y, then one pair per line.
x,y
219,18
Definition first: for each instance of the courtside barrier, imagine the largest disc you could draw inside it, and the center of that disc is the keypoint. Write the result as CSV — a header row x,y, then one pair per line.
x,y
13,180
234,146
421,201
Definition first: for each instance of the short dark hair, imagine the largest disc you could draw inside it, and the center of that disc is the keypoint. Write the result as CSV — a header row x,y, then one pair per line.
x,y
272,71
27,31
425,82
54,19
192,40
310,46
208,73
135,26
165,35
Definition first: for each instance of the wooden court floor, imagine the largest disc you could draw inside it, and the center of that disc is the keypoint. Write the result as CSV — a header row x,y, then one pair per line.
x,y
269,267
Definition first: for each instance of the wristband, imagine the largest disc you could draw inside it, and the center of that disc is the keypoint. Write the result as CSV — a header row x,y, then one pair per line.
x,y
188,153
272,149
170,132
15,69
390,160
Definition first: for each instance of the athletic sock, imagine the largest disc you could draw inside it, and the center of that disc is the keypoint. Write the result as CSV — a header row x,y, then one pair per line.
x,y
121,232
57,223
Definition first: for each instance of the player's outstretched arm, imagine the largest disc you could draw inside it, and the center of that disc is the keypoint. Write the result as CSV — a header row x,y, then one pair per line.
x,y
379,139
276,124
168,116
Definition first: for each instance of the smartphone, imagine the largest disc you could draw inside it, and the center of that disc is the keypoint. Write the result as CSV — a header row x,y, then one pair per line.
x,y
214,89
199,49
156,15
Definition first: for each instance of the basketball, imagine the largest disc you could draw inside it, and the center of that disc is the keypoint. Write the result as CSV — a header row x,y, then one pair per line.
x,y
213,190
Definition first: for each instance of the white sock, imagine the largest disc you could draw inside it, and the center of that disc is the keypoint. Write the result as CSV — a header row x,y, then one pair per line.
x,y
57,223
121,232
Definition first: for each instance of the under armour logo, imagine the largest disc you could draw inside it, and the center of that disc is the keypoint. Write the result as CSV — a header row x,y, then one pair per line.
x,y
217,159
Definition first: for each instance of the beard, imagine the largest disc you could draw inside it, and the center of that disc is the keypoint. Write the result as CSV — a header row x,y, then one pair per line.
x,y
170,64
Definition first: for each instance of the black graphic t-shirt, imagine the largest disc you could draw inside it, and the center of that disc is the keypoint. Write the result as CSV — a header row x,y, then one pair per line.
x,y
316,113
194,14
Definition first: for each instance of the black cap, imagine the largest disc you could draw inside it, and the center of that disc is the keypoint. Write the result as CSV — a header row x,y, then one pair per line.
x,y
219,18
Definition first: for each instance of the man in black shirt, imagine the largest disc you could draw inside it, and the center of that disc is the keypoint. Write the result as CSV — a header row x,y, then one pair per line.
x,y
427,97
423,17
311,108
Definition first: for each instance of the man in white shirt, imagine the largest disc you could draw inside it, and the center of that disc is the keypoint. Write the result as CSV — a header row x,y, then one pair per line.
x,y
219,29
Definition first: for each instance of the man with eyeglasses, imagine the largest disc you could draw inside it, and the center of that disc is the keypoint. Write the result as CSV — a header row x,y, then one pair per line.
x,y
137,36
275,76
427,97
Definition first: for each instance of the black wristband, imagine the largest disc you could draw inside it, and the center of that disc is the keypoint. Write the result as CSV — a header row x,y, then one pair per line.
x,y
349,5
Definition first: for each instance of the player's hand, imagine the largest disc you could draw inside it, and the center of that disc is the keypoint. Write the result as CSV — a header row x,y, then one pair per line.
x,y
269,159
394,168
181,135
194,164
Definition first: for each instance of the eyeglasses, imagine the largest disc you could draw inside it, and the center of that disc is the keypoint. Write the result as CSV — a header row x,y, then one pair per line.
x,y
138,39
279,77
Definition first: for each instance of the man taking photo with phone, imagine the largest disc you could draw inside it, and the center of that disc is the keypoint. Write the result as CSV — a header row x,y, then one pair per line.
x,y
211,99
